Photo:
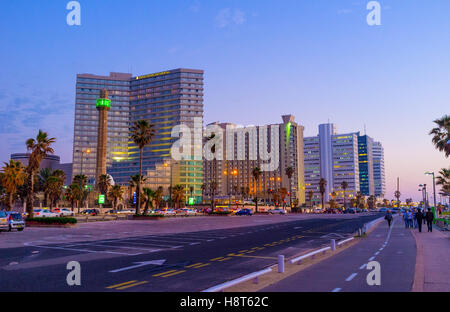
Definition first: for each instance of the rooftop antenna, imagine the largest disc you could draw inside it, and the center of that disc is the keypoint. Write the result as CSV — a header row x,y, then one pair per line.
x,y
365,132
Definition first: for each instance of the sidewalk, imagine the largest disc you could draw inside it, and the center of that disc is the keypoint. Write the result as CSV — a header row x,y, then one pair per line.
x,y
432,267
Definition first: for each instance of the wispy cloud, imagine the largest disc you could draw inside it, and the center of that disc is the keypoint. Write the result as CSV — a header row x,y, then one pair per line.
x,y
22,115
228,16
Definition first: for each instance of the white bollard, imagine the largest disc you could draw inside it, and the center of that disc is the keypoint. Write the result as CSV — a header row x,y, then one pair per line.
x,y
280,264
333,245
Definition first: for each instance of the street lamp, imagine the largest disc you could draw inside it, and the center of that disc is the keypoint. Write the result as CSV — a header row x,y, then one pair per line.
x,y
423,189
434,187
170,191
88,151
233,173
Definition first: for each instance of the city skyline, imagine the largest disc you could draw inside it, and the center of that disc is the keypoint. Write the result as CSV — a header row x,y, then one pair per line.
x,y
364,82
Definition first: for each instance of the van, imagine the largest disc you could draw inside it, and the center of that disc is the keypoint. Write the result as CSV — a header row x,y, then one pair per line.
x,y
4,225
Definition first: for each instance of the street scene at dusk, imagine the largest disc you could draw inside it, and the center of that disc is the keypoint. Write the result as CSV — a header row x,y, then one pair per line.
x,y
252,149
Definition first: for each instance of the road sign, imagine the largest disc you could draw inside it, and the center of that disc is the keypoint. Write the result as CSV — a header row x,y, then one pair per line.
x,y
191,201
101,199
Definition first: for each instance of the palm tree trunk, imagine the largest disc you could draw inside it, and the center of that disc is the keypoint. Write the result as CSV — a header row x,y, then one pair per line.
x,y
322,201
10,201
30,195
138,202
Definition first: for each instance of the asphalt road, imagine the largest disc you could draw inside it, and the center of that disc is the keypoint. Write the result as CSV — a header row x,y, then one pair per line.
x,y
189,261
394,249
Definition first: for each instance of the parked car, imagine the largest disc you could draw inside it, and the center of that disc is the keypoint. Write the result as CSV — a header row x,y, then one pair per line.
x,y
128,211
111,212
188,211
244,212
64,212
15,221
350,210
277,211
169,212
4,225
44,213
91,212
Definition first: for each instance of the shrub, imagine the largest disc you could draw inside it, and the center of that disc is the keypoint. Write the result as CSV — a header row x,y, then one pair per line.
x,y
53,220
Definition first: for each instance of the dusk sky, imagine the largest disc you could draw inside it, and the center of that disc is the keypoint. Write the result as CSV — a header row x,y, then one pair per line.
x,y
316,59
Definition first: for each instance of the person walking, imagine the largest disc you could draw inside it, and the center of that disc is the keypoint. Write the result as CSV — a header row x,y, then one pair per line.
x,y
415,211
388,217
430,218
405,218
409,216
419,219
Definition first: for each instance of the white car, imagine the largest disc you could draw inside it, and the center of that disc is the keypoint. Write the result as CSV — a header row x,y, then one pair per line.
x,y
64,212
44,213
189,211
169,212
126,212
277,211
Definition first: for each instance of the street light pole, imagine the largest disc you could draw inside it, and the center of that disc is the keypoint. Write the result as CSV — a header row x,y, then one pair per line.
x,y
434,187
88,151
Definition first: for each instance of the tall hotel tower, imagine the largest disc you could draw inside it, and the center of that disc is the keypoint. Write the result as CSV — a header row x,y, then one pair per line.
x,y
166,99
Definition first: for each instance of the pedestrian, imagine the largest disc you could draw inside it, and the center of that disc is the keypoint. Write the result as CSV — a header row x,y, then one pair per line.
x,y
409,216
419,218
414,217
429,217
405,218
388,217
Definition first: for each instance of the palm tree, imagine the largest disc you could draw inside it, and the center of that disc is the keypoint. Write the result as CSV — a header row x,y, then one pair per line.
x,y
359,199
39,148
134,183
104,183
43,178
149,197
81,181
116,193
203,187
290,173
158,197
178,194
12,177
371,201
441,135
256,172
142,133
213,194
344,186
55,186
310,197
191,190
283,193
73,194
322,185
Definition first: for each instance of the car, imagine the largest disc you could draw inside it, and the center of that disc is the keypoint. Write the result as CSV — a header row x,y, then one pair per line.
x,y
350,210
188,211
169,212
4,225
244,212
44,213
111,212
91,212
15,221
64,212
128,211
277,211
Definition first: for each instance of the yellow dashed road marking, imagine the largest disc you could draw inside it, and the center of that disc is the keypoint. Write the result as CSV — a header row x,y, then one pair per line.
x,y
118,285
174,273
156,275
132,285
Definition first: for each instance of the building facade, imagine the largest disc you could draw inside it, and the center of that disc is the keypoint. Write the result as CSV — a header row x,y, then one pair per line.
x,y
273,148
378,170
366,165
166,99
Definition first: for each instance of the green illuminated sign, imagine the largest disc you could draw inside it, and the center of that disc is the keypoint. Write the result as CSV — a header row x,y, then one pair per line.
x,y
191,201
104,103
288,133
101,199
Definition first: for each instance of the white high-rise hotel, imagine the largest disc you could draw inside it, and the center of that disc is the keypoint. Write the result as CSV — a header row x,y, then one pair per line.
x,y
343,157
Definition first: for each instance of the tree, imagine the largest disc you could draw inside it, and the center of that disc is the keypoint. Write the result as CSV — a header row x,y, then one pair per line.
x,y
203,187
310,197
359,200
371,201
13,176
256,172
178,194
134,182
142,133
149,197
104,183
43,178
344,186
158,197
441,135
81,181
290,173
213,194
39,148
283,194
73,195
322,186
54,187
116,193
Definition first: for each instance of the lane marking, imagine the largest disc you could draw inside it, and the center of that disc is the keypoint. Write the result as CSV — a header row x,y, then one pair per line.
x,y
351,277
202,266
173,274
122,284
336,290
371,258
132,285
193,265
363,266
167,272
377,253
215,259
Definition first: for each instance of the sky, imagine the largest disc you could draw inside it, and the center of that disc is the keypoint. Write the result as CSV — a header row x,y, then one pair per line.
x,y
316,59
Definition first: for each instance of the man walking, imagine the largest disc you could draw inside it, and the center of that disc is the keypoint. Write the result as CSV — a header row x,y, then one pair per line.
x,y
418,219
388,217
430,218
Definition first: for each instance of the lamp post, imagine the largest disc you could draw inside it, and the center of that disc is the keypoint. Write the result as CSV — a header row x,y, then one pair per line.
x,y
434,187
228,173
424,195
88,151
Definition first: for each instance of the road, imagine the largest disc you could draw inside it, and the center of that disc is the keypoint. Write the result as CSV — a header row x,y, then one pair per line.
x,y
185,261
394,249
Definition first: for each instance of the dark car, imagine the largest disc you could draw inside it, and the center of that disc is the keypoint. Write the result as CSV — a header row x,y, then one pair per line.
x,y
244,212
91,212
350,210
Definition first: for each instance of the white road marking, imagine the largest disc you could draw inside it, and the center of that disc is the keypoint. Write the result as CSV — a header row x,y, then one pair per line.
x,y
336,290
140,264
351,277
194,244
371,258
377,253
363,266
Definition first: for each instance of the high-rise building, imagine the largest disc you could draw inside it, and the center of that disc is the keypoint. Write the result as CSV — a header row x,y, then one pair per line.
x,y
333,157
378,170
366,178
166,99
243,149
